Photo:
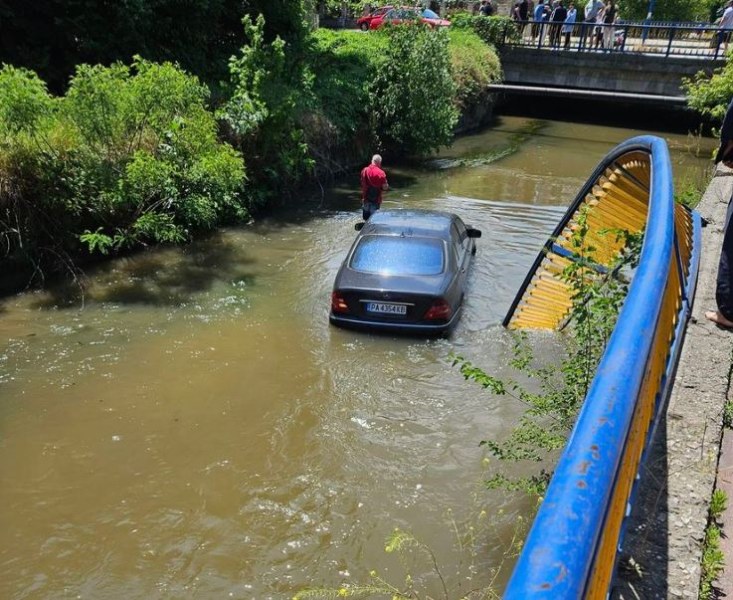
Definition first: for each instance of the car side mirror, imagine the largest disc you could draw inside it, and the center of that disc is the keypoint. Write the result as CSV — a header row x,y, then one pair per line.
x,y
359,226
473,233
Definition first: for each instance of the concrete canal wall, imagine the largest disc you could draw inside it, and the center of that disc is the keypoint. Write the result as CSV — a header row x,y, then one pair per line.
x,y
614,72
662,548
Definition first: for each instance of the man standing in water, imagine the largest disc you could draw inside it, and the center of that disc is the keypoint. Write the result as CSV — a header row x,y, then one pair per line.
x,y
724,285
373,183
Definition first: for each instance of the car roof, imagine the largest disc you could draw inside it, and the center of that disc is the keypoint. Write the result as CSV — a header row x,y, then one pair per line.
x,y
409,222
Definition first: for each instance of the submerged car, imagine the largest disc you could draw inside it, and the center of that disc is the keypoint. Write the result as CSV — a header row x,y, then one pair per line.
x,y
408,16
406,271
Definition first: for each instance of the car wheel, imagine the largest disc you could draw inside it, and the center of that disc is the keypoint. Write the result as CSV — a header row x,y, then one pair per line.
x,y
364,27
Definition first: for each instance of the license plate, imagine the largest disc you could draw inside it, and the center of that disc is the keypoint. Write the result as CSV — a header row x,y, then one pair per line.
x,y
385,308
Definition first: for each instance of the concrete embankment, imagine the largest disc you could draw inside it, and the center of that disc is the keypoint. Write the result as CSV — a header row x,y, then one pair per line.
x,y
662,548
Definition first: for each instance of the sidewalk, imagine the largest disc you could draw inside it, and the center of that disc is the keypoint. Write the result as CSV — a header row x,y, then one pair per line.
x,y
660,556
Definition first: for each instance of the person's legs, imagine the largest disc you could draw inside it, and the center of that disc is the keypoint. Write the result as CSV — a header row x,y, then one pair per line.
x,y
724,284
608,37
368,209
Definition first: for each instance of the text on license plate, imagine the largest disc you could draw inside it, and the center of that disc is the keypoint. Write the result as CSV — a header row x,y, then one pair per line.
x,y
386,308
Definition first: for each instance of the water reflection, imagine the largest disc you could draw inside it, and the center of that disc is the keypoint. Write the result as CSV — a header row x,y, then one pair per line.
x,y
198,429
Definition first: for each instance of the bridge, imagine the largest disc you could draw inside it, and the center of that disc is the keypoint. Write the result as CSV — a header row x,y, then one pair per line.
x,y
646,63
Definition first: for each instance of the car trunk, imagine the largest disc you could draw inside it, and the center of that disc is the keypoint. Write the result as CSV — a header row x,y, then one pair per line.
x,y
390,299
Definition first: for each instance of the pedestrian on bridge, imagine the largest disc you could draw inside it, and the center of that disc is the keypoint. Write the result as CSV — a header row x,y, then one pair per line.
x,y
723,317
725,26
592,8
569,25
557,18
610,17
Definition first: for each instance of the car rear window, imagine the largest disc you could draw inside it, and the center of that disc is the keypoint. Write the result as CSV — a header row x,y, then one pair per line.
x,y
398,255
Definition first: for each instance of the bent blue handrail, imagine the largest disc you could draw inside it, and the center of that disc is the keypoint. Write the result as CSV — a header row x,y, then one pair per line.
x,y
562,549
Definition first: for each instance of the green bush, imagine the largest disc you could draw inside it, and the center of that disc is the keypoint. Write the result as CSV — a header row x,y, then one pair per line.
x,y
399,88
669,10
492,30
345,64
129,156
411,98
474,66
53,36
710,95
269,91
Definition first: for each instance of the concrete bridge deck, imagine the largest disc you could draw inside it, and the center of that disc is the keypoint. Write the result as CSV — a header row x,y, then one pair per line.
x,y
662,549
631,77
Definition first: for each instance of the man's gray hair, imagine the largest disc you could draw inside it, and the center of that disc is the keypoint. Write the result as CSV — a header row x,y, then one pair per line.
x,y
377,159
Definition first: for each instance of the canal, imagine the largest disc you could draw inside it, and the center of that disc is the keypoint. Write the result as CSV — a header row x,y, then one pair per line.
x,y
193,427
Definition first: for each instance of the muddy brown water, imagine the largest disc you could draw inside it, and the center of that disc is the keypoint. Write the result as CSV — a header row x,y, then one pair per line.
x,y
196,429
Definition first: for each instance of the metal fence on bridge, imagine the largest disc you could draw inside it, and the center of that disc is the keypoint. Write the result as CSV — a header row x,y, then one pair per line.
x,y
692,40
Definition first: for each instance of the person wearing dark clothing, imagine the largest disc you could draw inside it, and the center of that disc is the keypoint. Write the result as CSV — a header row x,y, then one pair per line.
x,y
724,284
557,18
487,9
523,10
373,183
520,12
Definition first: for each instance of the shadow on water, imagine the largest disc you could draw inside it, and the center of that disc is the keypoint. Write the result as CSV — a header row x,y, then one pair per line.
x,y
160,277
610,113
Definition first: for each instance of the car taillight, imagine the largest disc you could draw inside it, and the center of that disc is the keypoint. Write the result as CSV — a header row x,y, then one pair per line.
x,y
440,310
338,303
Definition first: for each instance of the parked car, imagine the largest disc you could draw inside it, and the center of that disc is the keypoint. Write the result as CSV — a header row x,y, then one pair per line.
x,y
407,16
406,271
364,21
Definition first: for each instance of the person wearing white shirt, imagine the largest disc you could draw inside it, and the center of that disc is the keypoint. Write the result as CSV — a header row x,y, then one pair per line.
x,y
592,8
725,25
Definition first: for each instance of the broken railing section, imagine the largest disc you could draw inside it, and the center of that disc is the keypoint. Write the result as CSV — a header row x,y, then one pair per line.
x,y
572,547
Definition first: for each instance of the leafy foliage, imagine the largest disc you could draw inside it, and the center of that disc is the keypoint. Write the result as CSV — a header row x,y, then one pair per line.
x,y
390,88
710,95
53,36
411,96
718,503
551,412
129,156
347,62
493,30
267,96
474,66
669,10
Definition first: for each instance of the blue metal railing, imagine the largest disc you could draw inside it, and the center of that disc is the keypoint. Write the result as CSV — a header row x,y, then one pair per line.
x,y
572,546
693,40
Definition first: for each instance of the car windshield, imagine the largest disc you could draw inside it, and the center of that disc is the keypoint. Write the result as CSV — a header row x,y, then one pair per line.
x,y
429,14
392,255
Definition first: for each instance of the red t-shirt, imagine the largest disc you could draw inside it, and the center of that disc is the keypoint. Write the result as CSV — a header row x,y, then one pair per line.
x,y
372,176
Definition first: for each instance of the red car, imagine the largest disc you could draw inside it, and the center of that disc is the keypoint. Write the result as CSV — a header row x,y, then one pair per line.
x,y
364,22
399,16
